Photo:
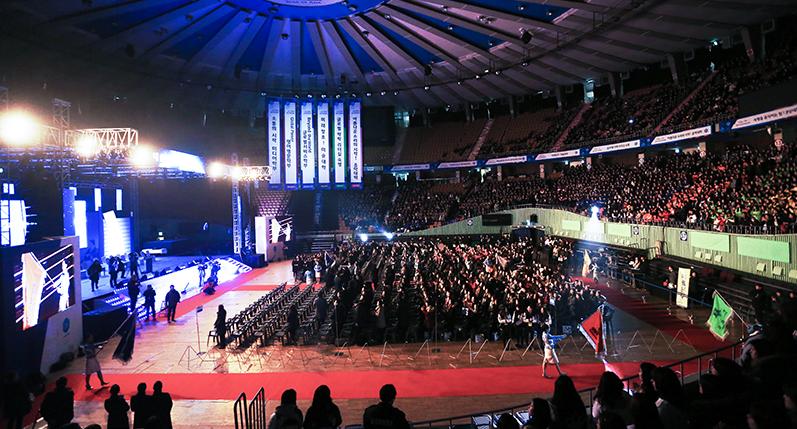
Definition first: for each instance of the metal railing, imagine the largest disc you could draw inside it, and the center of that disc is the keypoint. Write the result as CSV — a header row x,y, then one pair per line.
x,y
257,411
701,363
240,412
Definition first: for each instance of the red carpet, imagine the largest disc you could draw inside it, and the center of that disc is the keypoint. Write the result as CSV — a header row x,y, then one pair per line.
x,y
189,305
656,315
359,384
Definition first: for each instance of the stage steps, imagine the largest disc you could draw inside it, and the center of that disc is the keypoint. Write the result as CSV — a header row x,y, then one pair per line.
x,y
576,120
322,242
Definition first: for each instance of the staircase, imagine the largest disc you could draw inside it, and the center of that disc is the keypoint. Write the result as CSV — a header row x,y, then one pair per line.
x,y
576,120
685,101
401,136
482,138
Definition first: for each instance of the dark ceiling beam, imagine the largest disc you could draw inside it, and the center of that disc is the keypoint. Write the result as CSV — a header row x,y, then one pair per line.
x,y
643,32
348,57
118,40
571,4
181,34
190,66
321,51
103,12
278,27
442,34
295,40
366,45
241,46
524,21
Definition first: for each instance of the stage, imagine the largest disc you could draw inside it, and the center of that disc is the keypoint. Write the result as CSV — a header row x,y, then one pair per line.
x,y
455,380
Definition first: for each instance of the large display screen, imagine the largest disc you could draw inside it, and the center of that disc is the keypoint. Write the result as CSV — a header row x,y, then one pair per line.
x,y
44,284
314,144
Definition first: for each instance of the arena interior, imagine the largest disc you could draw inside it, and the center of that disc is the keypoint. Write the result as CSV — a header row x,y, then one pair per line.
x,y
384,214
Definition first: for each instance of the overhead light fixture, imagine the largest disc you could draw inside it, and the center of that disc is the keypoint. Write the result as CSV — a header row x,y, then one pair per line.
x,y
497,72
367,94
487,70
478,76
459,82
216,170
382,93
309,95
337,96
387,16
526,37
142,156
426,87
395,92
450,28
324,96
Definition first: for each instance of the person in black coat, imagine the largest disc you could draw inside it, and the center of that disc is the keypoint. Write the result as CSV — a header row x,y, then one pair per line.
x,y
94,271
323,413
133,290
117,409
221,326
172,298
149,302
16,401
321,308
162,405
141,405
58,407
113,271
384,415
293,324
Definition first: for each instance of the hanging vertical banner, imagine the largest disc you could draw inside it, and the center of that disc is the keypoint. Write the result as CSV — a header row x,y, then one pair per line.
x,y
274,143
289,121
355,145
682,298
340,144
322,116
307,138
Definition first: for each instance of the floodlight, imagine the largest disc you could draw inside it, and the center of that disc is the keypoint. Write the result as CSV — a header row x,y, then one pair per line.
x,y
388,235
142,156
87,145
18,128
363,237
216,170
236,173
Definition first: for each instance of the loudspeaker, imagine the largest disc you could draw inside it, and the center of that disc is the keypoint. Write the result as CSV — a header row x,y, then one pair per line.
x,y
526,37
533,219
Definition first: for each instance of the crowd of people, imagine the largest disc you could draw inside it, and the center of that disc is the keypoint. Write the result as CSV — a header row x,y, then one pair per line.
x,y
742,186
457,288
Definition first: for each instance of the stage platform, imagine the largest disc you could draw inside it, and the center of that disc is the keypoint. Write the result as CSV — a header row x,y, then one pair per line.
x,y
160,263
430,384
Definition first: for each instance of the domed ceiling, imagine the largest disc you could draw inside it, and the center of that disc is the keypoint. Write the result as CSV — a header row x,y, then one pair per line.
x,y
399,52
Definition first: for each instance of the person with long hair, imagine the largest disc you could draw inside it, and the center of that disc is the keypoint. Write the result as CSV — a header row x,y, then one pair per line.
x,y
611,397
323,413
539,415
645,386
671,403
568,410
287,415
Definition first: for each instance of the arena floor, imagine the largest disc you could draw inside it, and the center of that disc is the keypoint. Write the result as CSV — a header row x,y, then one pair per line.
x,y
430,384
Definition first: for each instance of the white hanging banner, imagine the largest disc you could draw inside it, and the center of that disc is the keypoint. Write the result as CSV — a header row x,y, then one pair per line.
x,y
274,142
355,145
339,136
289,121
307,138
322,116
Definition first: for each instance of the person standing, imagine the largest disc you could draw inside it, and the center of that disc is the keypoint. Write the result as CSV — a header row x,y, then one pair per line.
x,y
141,406
133,290
113,271
120,266
221,326
550,354
133,258
90,349
384,415
162,405
16,401
293,324
94,271
172,298
117,409
58,407
149,302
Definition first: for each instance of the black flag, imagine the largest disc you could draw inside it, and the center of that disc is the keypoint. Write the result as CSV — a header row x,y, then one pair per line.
x,y
124,350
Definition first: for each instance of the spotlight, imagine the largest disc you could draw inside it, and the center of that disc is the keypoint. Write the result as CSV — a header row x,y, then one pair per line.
x,y
87,146
450,28
459,82
497,72
388,235
382,93
18,128
486,71
216,170
142,156
309,95
395,92
324,96
526,37
426,87
367,94
236,173
594,210
363,237
478,76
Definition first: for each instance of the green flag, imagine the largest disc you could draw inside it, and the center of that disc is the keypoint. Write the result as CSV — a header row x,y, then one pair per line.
x,y
721,312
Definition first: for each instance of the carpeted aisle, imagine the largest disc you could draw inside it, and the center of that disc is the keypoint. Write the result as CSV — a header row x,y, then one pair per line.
x,y
657,316
359,384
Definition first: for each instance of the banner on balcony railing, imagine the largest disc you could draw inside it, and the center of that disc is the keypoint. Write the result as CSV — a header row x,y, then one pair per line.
x,y
763,118
558,155
458,164
682,135
507,160
615,147
410,167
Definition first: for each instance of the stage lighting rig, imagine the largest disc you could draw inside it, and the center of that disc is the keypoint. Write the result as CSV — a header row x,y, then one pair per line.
x,y
239,173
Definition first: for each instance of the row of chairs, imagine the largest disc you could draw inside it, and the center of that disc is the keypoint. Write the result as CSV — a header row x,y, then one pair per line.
x,y
270,327
246,333
302,301
235,322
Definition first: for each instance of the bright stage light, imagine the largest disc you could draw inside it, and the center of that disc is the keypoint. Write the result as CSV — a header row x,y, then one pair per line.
x,y
216,170
236,173
363,237
87,146
142,156
595,210
388,235
18,128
